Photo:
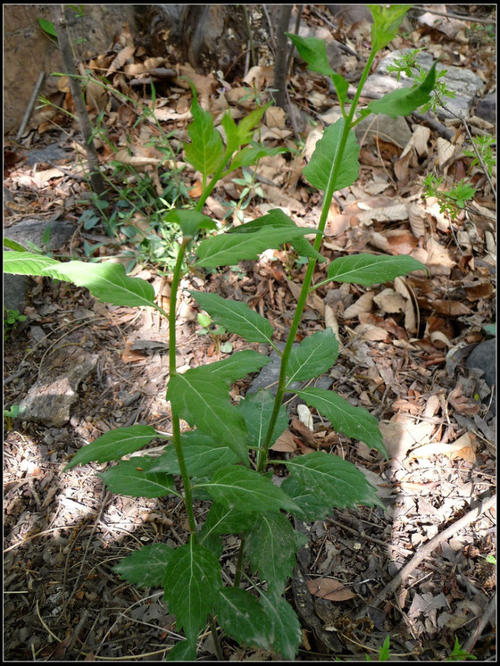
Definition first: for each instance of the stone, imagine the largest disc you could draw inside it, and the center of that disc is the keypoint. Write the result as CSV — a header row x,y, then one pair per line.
x,y
486,108
14,292
32,230
463,82
50,399
483,357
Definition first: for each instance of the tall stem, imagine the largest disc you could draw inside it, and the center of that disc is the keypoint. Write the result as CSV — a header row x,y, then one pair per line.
x,y
301,302
176,429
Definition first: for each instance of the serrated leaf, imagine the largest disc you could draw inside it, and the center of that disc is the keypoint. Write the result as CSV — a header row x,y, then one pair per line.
x,y
192,583
242,617
335,481
354,422
183,651
257,409
205,151
202,454
386,22
313,356
368,269
270,547
283,624
114,444
202,399
147,566
108,282
230,248
236,366
246,489
318,170
190,221
222,519
26,263
403,101
235,316
313,51
311,508
134,479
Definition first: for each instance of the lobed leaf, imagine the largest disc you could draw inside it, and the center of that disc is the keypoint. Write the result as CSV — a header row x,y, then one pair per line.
x,y
368,269
114,444
146,566
246,489
192,582
257,409
313,356
335,482
355,422
235,316
134,478
318,170
242,617
270,547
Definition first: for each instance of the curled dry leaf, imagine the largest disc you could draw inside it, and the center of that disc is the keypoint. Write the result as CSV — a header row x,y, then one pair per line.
x,y
410,304
390,301
363,304
327,588
331,322
463,447
416,216
121,59
285,443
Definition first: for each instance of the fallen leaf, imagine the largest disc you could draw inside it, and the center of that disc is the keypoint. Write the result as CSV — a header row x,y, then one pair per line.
x,y
450,308
121,59
363,304
390,301
327,588
286,443
463,447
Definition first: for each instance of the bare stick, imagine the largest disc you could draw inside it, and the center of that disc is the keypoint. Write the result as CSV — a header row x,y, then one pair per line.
x,y
481,507
76,91
472,19
488,614
29,108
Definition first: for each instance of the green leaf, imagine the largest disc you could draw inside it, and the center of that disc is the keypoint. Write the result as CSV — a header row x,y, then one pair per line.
x,y
108,282
270,548
230,248
14,245
386,22
242,617
252,154
403,101
203,455
202,399
222,519
183,651
277,218
246,489
26,263
205,151
311,507
47,26
355,422
257,409
283,624
190,221
313,51
134,479
145,567
235,316
335,482
192,583
114,444
236,366
368,269
313,356
318,170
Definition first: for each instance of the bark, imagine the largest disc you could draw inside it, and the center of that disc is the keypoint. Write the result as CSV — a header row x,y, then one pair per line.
x,y
281,60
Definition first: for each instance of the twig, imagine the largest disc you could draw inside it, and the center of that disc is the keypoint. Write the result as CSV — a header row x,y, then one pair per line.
x,y
29,108
271,29
481,507
490,611
434,124
296,32
472,19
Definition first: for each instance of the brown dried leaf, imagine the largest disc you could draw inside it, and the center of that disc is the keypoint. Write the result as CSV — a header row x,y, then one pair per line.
x,y
463,447
363,304
416,215
390,301
327,588
286,443
450,308
121,59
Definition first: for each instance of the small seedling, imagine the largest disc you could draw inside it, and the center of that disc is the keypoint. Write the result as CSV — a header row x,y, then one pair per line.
x,y
459,654
214,331
450,201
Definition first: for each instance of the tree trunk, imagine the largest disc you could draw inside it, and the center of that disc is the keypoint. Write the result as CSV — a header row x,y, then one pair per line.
x,y
281,57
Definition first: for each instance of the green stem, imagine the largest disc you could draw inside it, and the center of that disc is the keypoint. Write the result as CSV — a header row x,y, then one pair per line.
x,y
176,429
301,302
213,628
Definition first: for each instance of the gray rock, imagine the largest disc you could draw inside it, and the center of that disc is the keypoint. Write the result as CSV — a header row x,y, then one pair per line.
x,y
32,229
14,292
484,357
50,399
487,108
50,153
462,81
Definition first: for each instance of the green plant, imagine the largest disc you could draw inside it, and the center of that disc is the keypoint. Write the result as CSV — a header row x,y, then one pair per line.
x,y
450,201
384,652
224,458
12,413
10,319
214,331
482,152
459,654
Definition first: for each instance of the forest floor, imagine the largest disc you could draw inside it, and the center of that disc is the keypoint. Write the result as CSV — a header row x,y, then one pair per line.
x,y
63,532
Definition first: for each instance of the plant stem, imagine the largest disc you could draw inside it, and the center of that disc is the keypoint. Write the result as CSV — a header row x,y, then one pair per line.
x,y
301,302
176,429
213,629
